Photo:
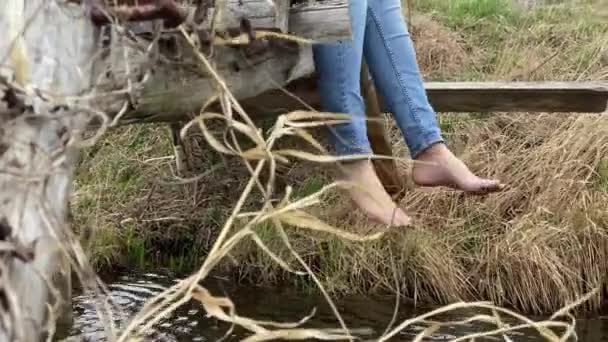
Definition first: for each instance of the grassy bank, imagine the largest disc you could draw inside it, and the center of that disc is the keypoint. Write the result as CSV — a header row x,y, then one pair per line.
x,y
536,245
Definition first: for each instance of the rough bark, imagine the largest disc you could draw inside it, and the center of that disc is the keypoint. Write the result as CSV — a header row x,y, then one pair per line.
x,y
323,21
45,47
248,72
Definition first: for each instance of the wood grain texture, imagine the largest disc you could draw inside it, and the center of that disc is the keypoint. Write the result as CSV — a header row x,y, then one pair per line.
x,y
174,93
322,22
178,90
281,21
51,56
567,97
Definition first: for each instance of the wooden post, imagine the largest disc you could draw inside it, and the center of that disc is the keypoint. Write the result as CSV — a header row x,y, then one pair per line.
x,y
324,21
48,47
378,136
282,15
178,148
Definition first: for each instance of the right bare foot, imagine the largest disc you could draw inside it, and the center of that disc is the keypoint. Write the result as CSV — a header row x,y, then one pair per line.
x,y
441,167
369,194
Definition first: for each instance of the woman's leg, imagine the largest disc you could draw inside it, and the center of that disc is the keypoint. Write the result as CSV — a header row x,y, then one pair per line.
x,y
338,66
390,54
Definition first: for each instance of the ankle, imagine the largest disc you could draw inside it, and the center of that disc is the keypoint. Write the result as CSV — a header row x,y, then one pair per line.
x,y
433,151
356,168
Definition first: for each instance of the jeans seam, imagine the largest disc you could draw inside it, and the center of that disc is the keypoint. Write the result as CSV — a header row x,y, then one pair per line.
x,y
343,140
393,65
430,139
345,143
343,79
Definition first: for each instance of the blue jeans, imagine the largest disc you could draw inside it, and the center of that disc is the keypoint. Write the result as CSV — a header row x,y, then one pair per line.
x,y
380,34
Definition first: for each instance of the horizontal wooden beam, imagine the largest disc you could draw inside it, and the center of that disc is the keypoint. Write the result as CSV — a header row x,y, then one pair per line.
x,y
175,93
471,97
571,97
556,97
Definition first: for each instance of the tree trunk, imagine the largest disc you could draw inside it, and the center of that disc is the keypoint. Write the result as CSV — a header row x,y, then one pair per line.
x,y
47,45
178,88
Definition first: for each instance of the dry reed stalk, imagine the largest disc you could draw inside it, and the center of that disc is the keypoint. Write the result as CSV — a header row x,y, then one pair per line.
x,y
531,245
221,248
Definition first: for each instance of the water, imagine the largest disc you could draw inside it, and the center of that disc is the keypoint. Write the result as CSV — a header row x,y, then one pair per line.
x,y
190,324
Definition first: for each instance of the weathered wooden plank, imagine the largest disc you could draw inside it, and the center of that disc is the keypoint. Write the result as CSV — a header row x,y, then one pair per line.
x,y
308,21
581,97
173,93
50,54
571,97
246,75
322,22
591,86
568,97
281,20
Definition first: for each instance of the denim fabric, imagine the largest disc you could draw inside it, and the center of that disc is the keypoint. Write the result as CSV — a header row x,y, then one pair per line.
x,y
380,34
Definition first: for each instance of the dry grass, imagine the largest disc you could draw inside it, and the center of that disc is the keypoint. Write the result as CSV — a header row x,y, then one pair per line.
x,y
441,53
539,242
536,246
128,196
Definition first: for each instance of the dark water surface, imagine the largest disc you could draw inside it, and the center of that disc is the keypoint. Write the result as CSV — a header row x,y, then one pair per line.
x,y
190,324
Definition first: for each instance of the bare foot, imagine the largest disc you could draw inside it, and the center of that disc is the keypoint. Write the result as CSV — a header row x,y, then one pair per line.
x,y
440,167
371,196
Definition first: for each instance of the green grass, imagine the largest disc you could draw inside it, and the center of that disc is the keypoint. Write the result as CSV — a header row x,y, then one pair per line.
x,y
503,42
110,183
459,14
137,254
602,175
310,186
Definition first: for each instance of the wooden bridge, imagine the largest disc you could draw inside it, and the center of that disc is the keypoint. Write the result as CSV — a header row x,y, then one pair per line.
x,y
58,68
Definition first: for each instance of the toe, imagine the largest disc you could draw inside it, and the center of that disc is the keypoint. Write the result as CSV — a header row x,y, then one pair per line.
x,y
398,218
492,185
485,186
402,222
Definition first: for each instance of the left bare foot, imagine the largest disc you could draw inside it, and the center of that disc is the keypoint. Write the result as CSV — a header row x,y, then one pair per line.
x,y
440,167
371,197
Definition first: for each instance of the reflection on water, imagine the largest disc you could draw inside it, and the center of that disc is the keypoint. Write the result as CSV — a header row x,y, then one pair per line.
x,y
189,323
